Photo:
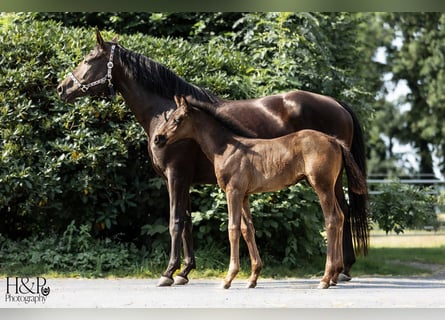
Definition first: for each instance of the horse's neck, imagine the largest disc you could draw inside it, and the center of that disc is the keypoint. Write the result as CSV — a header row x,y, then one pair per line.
x,y
212,137
145,105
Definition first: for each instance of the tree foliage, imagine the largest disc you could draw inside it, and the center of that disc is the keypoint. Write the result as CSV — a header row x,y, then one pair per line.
x,y
416,56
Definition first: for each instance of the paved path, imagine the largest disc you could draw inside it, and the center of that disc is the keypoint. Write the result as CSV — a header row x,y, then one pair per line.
x,y
375,292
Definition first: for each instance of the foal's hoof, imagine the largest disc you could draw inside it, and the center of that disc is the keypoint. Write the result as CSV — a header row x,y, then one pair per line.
x,y
344,277
165,282
251,285
323,285
225,285
180,280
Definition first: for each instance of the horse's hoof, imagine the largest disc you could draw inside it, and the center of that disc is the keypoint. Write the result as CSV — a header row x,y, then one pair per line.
x,y
344,277
225,285
251,285
165,282
180,280
323,285
332,283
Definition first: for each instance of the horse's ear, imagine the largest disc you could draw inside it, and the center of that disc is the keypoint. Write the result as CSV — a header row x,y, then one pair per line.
x,y
99,39
115,39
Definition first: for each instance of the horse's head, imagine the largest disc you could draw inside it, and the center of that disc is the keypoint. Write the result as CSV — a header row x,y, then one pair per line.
x,y
93,75
177,126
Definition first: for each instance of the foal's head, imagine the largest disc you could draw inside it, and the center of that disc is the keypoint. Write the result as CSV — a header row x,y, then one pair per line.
x,y
93,75
177,127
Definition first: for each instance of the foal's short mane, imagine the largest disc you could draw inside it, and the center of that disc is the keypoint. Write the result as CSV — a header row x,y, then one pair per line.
x,y
225,121
158,78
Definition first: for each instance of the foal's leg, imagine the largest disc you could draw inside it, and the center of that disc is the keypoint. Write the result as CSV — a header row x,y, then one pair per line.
x,y
334,229
248,232
234,204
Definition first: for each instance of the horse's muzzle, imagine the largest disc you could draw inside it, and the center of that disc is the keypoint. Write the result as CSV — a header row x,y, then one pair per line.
x,y
62,93
160,140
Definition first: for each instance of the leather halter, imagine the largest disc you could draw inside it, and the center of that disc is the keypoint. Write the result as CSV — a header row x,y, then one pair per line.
x,y
103,80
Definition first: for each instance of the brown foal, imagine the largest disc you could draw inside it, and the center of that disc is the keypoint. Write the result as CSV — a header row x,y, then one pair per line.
x,y
245,165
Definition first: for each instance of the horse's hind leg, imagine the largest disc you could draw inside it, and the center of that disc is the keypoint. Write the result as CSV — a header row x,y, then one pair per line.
x,y
348,249
248,232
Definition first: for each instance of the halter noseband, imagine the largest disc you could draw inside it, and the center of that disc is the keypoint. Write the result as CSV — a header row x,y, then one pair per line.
x,y
105,79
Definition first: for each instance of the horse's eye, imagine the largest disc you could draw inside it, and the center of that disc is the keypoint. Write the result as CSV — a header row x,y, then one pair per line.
x,y
91,56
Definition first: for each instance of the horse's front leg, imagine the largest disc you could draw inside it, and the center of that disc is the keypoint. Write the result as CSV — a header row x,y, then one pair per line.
x,y
178,191
234,204
248,232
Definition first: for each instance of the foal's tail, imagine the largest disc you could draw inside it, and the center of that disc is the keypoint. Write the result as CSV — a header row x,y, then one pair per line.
x,y
358,202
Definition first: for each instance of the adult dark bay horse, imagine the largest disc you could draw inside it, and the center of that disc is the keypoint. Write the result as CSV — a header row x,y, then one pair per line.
x,y
244,166
148,89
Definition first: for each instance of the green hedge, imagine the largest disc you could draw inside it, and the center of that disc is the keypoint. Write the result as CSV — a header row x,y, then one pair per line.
x,y
87,162
63,162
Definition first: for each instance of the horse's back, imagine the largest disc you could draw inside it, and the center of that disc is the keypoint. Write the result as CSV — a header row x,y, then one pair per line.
x,y
280,114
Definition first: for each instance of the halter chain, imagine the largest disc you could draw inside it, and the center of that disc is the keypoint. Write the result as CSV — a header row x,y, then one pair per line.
x,y
105,79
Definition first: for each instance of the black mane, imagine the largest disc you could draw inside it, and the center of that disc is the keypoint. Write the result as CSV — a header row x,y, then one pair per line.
x,y
158,78
227,122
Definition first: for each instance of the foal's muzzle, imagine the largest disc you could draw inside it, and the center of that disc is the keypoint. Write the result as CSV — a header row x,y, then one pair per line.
x,y
160,140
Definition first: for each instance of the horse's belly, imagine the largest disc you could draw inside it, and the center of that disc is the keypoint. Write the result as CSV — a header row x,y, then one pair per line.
x,y
275,183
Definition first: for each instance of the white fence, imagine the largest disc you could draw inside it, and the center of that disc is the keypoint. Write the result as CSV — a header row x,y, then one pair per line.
x,y
438,184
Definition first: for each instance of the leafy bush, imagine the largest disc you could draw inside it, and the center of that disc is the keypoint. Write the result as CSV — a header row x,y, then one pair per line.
x,y
76,250
402,206
62,162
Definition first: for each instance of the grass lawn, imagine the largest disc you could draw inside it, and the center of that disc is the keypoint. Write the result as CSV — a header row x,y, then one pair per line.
x,y
414,253
419,253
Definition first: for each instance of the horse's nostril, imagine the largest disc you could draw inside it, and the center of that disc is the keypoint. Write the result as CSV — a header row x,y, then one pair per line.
x,y
60,90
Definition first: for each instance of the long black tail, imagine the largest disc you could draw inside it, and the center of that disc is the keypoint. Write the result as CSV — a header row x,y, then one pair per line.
x,y
358,202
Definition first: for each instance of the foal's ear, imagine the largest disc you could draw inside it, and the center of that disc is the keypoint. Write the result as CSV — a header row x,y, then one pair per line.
x,y
181,102
177,100
100,41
